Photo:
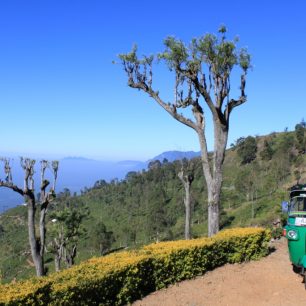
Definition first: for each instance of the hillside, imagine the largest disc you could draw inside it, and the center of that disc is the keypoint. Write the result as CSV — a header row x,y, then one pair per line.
x,y
148,206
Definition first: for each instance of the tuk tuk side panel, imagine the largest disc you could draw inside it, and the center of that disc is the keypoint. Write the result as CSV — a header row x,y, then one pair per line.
x,y
297,249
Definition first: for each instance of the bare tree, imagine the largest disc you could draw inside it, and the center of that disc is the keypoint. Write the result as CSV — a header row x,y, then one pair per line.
x,y
187,178
37,242
202,73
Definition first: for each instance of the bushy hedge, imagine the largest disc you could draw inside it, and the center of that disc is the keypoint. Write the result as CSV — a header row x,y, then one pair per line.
x,y
121,278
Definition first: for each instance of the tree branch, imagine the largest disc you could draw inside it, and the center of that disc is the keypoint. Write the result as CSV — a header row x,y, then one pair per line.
x,y
7,169
170,108
234,103
27,165
12,186
55,165
199,87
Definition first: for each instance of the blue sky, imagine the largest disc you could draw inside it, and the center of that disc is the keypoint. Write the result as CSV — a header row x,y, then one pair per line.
x,y
61,95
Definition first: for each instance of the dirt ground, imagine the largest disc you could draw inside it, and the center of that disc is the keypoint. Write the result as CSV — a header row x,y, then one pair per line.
x,y
269,282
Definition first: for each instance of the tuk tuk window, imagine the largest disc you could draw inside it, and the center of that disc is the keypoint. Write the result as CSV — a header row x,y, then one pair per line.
x,y
298,204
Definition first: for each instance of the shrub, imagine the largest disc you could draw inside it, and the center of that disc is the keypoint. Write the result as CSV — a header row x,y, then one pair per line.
x,y
121,278
277,233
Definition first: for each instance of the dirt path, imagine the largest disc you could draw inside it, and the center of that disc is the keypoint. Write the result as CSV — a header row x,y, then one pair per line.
x,y
270,282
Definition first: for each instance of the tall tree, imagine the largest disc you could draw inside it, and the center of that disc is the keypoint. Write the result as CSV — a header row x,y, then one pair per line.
x,y
202,72
37,241
186,178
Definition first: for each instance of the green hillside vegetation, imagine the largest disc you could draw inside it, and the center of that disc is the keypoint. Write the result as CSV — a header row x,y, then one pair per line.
x,y
148,206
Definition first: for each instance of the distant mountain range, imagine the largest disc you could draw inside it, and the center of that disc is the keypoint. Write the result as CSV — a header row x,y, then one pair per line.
x,y
75,173
175,155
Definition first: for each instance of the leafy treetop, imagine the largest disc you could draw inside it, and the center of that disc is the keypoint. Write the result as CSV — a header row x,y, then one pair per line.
x,y
200,67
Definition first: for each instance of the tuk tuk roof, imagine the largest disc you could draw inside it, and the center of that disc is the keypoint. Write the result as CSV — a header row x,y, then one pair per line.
x,y
297,190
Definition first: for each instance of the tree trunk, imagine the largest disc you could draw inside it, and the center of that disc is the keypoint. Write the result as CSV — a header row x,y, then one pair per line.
x,y
187,203
101,249
70,255
42,232
57,262
34,243
58,254
253,204
187,180
213,218
214,194
214,175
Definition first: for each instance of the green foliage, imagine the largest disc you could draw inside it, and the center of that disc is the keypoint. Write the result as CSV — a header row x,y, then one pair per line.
x,y
267,151
176,52
154,164
119,279
219,54
247,149
14,250
244,60
247,180
102,238
68,221
236,143
300,134
277,233
66,228
297,175
285,145
130,57
1,231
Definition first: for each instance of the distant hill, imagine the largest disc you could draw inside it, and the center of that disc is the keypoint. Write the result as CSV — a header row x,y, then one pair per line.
x,y
176,155
76,173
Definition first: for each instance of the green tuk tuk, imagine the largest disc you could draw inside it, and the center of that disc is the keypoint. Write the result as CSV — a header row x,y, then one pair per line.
x,y
295,230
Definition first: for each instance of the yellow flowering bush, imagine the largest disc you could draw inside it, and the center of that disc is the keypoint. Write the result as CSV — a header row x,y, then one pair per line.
x,y
121,278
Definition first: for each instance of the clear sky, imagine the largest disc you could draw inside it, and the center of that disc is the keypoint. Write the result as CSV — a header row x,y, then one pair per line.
x,y
60,94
